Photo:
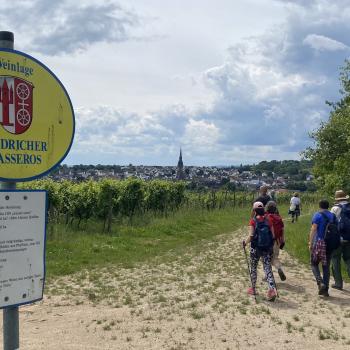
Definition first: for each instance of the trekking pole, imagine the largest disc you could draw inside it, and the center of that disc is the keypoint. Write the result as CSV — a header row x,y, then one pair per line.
x,y
274,281
248,267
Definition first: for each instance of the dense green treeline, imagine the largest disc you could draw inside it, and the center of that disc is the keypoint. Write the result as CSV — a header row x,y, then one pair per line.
x,y
295,168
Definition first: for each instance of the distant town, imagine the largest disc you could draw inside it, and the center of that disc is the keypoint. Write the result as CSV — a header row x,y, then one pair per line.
x,y
286,174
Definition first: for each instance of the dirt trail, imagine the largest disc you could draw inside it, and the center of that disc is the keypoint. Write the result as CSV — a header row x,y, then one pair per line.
x,y
196,301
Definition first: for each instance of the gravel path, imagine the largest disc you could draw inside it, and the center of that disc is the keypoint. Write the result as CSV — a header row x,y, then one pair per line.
x,y
195,301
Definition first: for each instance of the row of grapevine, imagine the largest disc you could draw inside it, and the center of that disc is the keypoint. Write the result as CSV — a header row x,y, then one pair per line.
x,y
108,199
74,202
214,199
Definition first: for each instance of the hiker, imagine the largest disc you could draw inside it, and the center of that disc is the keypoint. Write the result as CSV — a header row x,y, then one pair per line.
x,y
318,248
263,197
278,228
261,236
272,195
341,209
295,206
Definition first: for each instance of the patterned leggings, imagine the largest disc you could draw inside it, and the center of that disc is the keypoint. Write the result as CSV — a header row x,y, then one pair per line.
x,y
266,258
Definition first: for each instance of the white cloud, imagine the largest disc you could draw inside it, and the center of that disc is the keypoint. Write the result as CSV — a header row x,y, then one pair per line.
x,y
323,43
271,88
274,113
198,83
253,73
105,130
200,134
68,26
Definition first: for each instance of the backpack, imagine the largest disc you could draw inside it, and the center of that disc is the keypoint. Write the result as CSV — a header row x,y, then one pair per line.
x,y
277,224
332,234
263,238
264,199
344,221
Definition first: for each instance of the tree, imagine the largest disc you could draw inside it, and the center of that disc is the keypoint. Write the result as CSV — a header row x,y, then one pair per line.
x,y
331,151
224,181
230,186
296,186
310,186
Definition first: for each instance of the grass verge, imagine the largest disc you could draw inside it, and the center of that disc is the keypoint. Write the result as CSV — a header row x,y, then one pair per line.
x,y
297,238
70,250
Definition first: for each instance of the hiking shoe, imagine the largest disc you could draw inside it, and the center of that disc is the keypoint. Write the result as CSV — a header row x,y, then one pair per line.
x,y
271,294
251,291
321,287
335,286
281,274
323,290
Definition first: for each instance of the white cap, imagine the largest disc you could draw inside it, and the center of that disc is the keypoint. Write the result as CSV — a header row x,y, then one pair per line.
x,y
257,205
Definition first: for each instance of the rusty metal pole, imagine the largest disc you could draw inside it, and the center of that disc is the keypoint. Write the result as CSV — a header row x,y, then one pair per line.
x,y
10,314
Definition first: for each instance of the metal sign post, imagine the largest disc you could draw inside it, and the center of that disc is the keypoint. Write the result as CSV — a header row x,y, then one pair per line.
x,y
10,314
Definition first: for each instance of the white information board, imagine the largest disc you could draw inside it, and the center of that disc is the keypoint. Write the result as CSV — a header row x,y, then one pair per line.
x,y
22,246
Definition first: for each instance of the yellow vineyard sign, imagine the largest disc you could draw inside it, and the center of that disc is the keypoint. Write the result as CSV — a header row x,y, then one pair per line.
x,y
36,118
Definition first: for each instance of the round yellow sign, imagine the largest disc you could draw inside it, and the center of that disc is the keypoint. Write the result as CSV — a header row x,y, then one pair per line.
x,y
36,118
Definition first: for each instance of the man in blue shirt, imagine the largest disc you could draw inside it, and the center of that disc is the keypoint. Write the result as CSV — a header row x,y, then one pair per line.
x,y
317,246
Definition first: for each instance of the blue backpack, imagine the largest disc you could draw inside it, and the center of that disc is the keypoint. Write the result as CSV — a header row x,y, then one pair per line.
x,y
344,221
263,238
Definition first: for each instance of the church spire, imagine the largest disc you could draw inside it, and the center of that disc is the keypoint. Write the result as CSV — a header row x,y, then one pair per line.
x,y
180,175
180,162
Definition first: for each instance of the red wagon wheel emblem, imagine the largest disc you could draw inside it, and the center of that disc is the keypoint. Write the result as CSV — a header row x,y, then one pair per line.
x,y
23,117
22,91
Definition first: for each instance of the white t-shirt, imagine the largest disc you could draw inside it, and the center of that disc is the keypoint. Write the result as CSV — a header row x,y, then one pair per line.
x,y
295,201
336,210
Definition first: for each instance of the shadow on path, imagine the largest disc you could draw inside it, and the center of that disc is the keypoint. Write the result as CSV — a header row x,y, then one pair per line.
x,y
290,287
282,303
338,300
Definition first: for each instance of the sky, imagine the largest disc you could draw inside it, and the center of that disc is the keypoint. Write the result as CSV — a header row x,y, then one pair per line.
x,y
228,81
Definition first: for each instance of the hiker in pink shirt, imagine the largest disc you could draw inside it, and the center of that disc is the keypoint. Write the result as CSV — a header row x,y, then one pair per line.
x,y
261,237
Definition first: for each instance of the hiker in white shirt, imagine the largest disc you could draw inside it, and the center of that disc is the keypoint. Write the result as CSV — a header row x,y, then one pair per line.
x,y
295,206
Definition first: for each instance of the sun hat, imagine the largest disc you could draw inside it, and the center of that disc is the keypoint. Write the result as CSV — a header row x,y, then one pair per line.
x,y
257,205
340,195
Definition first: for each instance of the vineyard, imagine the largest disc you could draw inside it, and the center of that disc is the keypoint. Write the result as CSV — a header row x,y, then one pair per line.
x,y
108,200
172,262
